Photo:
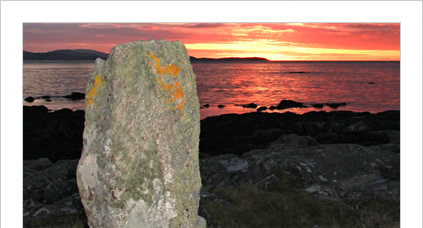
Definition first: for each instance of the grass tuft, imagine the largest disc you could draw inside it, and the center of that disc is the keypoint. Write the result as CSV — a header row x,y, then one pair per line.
x,y
285,206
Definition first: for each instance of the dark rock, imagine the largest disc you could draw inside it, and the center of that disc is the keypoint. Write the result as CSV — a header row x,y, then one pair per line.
x,y
29,99
284,104
220,106
272,107
371,83
262,108
59,189
46,97
206,105
295,140
388,148
45,133
317,105
50,195
297,72
383,136
75,96
34,111
308,127
392,169
322,169
67,212
336,105
40,164
232,133
382,189
250,105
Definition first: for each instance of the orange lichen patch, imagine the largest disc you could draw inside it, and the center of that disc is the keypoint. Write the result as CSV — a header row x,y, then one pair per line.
x,y
159,79
93,90
174,89
169,69
174,70
179,106
178,91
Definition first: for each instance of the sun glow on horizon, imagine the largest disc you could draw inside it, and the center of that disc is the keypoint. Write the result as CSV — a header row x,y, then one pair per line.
x,y
273,41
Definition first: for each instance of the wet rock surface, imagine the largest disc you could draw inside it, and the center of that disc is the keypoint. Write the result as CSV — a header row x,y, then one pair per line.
x,y
140,158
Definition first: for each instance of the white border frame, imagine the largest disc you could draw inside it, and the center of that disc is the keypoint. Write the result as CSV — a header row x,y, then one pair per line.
x,y
409,14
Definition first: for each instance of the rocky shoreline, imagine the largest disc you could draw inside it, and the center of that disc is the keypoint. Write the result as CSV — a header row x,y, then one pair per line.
x,y
339,156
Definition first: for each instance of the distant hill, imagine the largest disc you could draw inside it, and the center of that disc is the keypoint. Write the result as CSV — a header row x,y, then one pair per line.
x,y
228,60
77,54
86,54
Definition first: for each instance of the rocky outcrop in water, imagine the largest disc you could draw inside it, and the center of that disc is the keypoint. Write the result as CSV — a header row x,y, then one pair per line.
x,y
237,134
142,122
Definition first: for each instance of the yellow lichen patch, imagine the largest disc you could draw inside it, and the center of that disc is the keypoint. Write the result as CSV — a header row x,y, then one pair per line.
x,y
93,90
174,89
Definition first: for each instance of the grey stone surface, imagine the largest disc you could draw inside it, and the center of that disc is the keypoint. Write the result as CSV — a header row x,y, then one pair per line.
x,y
331,171
139,166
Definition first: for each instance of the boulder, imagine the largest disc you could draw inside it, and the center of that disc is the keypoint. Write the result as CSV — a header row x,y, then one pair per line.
x,y
318,105
75,96
250,105
262,108
139,165
336,105
29,99
284,104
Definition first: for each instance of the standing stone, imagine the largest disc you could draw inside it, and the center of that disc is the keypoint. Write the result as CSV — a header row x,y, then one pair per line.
x,y
139,165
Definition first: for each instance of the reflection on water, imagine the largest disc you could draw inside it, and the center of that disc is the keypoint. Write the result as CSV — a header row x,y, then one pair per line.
x,y
365,86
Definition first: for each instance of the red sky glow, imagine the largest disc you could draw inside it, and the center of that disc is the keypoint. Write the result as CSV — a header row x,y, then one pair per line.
x,y
274,41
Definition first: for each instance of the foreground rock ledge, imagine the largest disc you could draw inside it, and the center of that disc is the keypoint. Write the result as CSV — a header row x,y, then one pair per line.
x,y
139,166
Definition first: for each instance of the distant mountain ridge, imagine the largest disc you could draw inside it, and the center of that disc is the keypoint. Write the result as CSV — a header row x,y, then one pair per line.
x,y
66,54
87,54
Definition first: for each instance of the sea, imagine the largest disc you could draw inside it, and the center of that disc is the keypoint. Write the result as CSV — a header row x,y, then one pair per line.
x,y
364,86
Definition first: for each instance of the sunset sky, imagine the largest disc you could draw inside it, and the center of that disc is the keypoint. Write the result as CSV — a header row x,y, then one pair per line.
x,y
274,41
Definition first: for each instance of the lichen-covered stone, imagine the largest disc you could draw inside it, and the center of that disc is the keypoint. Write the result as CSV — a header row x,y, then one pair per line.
x,y
139,165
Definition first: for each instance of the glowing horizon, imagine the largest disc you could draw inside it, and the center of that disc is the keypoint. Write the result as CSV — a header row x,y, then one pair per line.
x,y
273,41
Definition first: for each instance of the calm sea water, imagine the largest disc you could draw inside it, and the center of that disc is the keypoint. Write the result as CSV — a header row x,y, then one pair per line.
x,y
364,86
